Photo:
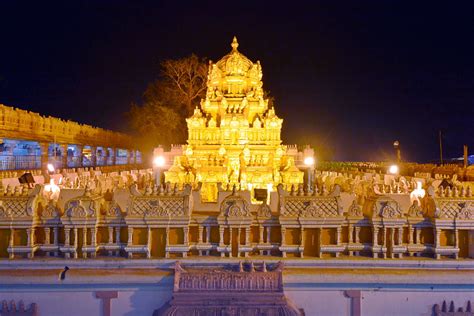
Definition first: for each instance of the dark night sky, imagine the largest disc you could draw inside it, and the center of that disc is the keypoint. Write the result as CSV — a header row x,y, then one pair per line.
x,y
347,75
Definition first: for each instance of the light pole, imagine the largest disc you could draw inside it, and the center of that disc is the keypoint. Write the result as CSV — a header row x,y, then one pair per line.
x,y
158,164
396,146
309,163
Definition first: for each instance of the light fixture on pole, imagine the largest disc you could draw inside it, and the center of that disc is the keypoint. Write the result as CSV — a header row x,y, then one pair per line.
x,y
396,146
393,169
309,163
158,164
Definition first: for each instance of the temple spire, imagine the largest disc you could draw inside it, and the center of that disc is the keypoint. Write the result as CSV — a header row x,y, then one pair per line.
x,y
234,44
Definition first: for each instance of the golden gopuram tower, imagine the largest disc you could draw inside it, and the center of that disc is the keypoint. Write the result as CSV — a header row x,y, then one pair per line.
x,y
234,137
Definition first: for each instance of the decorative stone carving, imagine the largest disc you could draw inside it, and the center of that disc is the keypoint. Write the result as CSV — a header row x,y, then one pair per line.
x,y
415,210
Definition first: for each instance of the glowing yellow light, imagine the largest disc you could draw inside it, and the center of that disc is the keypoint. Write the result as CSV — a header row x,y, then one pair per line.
x,y
309,161
50,167
159,161
418,193
51,190
393,169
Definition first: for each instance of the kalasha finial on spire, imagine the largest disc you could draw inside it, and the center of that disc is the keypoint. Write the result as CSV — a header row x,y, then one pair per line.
x,y
234,44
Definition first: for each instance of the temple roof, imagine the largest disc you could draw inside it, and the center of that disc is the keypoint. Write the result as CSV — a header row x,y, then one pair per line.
x,y
234,63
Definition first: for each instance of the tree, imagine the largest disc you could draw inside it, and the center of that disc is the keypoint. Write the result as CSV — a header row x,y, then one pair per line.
x,y
160,119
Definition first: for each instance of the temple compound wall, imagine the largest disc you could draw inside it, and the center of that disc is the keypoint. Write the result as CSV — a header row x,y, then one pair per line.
x,y
130,216
307,288
29,141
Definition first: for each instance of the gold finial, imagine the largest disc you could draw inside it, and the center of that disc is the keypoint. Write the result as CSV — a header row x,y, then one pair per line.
x,y
234,44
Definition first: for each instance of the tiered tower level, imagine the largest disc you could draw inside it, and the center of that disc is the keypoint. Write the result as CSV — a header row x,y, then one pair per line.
x,y
234,138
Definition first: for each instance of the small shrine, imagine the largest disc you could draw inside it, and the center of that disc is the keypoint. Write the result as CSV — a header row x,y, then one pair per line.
x,y
243,290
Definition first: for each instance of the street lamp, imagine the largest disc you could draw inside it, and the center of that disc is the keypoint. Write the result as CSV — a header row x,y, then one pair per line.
x,y
396,146
158,164
50,168
393,169
309,163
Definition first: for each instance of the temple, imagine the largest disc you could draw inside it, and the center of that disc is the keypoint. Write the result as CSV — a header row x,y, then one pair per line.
x,y
326,239
234,138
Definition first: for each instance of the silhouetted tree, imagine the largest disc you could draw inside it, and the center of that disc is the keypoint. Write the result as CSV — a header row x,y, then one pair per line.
x,y
168,101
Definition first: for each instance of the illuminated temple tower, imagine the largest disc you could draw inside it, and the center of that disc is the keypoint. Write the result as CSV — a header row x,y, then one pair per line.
x,y
234,137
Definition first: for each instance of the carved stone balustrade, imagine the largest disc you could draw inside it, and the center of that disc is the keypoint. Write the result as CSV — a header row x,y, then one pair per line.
x,y
159,209
310,215
18,212
80,219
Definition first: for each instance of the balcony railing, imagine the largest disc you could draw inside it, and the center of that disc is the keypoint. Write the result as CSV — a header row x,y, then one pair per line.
x,y
10,162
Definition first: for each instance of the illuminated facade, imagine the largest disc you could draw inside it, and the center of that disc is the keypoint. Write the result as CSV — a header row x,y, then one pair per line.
x,y
234,138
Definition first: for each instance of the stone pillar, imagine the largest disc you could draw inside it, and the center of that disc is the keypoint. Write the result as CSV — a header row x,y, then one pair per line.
x,y
208,234
375,241
117,235
411,231
148,243
84,241
400,236
221,235
55,236
114,156
355,297
283,237
67,236
392,239
350,232
437,233
260,231
64,155
130,236
47,236
247,236
418,235
80,155
230,241
106,296
44,146
302,239
375,232
93,240
93,156
186,235
76,242
28,237
320,232
200,233
338,236
269,230
111,235
12,242
167,255
357,233
221,239
130,240
456,242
